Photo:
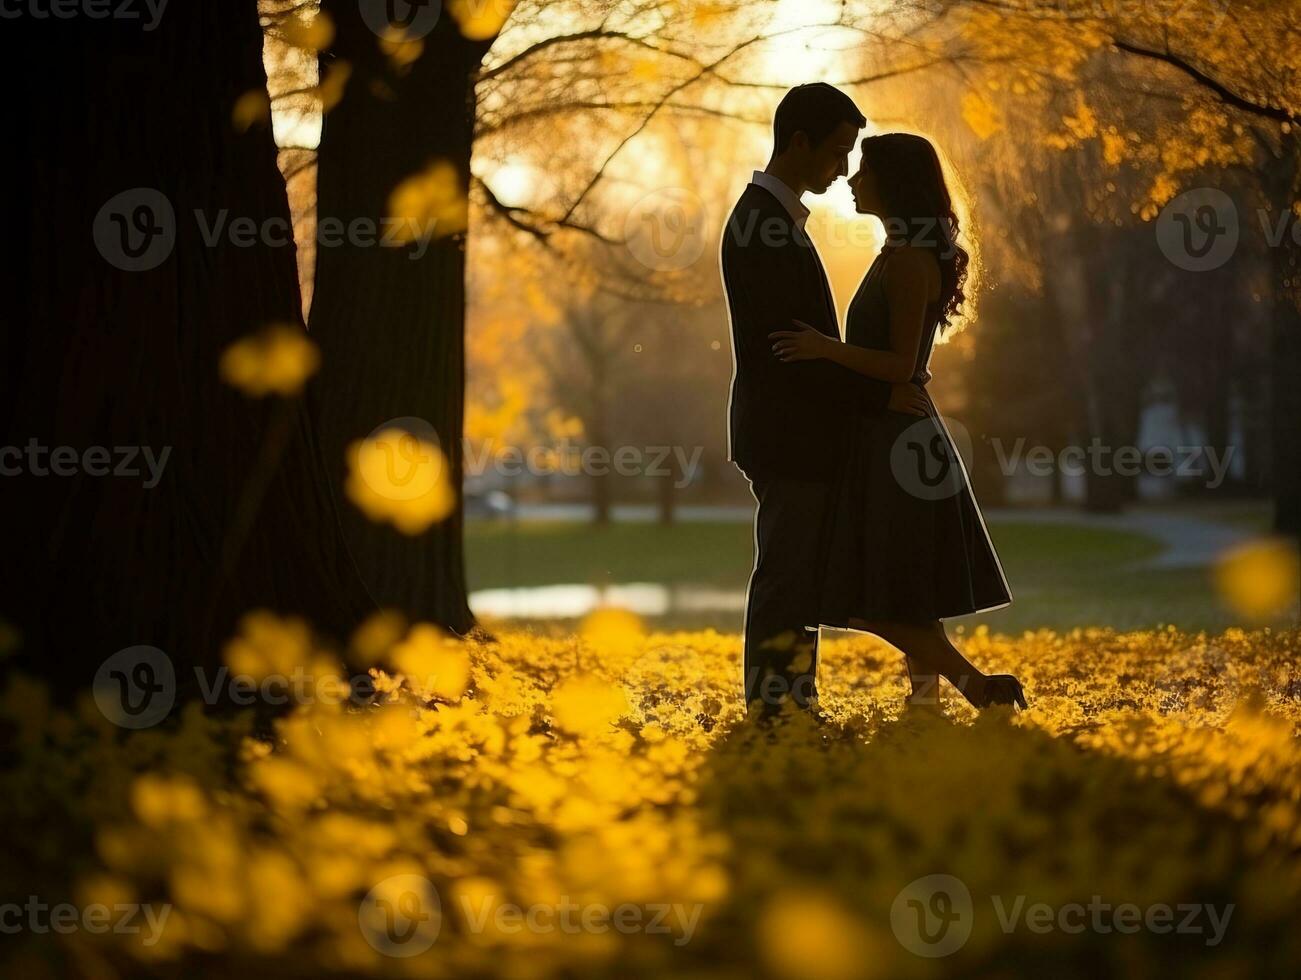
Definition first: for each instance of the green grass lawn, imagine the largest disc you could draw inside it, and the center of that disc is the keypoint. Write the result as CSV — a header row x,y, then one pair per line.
x,y
1062,576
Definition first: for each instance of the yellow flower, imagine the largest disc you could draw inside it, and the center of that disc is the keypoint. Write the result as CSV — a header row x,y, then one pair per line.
x,y
797,923
288,784
402,51
399,477
253,108
612,630
274,646
278,361
1260,579
160,800
429,204
587,705
434,663
311,32
374,638
480,20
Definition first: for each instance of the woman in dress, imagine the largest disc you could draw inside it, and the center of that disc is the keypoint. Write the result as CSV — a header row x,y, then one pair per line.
x,y
907,546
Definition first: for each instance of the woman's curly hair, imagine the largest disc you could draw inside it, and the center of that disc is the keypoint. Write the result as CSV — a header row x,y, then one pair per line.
x,y
911,182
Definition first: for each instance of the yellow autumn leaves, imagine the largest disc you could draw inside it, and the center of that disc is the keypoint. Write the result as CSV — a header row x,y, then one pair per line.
x,y
401,477
428,204
397,475
1260,579
592,768
276,361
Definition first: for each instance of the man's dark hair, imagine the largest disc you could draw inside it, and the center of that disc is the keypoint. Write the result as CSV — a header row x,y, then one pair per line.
x,y
816,109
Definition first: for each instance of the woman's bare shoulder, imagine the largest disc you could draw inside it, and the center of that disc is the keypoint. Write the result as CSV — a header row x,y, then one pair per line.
x,y
913,267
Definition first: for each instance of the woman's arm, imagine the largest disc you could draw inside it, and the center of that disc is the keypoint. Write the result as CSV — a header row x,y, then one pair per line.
x,y
911,277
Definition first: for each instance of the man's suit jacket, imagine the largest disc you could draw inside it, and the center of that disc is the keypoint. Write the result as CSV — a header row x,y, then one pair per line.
x,y
787,419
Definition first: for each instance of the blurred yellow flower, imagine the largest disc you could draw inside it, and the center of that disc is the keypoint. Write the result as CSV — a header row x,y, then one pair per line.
x,y
434,663
279,360
401,478
253,108
377,635
587,705
480,20
289,785
334,82
311,31
806,935
105,889
159,800
429,204
268,645
9,639
1261,578
401,50
612,630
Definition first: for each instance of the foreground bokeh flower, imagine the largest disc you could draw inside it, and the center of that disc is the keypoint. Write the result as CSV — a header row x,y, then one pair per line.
x,y
429,204
1261,578
277,361
587,705
480,20
611,629
402,478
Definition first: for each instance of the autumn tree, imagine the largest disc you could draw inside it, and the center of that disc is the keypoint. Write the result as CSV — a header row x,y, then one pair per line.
x,y
131,282
1225,79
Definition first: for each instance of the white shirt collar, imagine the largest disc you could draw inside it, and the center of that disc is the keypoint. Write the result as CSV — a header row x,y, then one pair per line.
x,y
788,198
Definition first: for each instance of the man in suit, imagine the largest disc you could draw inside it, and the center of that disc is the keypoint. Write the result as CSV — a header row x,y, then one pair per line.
x,y
788,429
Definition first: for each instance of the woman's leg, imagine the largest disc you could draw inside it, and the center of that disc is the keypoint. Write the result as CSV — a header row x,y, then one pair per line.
x,y
929,652
924,684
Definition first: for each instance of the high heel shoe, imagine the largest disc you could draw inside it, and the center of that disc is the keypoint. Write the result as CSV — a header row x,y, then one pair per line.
x,y
1003,689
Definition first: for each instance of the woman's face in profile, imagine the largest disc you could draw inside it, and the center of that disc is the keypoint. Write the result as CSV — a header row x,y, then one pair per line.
x,y
866,198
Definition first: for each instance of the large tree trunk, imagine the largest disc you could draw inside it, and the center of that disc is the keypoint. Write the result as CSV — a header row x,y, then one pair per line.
x,y
390,322
1286,363
100,357
1286,405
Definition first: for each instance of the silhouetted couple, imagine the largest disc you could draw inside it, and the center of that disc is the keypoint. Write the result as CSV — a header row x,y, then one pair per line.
x,y
865,515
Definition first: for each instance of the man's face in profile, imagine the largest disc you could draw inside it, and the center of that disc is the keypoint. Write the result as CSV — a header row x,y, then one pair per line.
x,y
830,158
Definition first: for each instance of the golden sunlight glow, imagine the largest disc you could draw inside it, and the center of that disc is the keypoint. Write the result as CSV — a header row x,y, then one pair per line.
x,y
515,183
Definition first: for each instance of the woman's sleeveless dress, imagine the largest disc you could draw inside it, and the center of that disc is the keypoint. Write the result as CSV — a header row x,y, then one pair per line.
x,y
907,542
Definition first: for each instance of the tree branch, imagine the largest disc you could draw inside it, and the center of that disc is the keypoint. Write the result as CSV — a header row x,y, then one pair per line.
x,y
542,233
1191,71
